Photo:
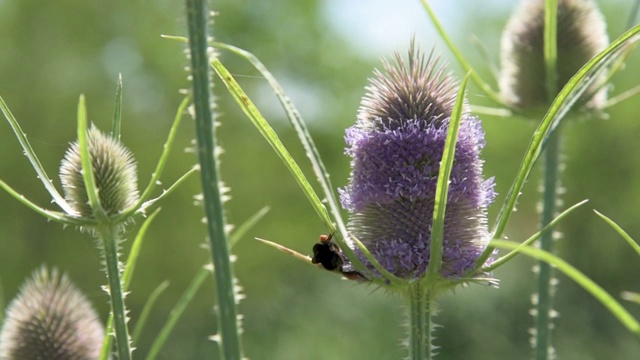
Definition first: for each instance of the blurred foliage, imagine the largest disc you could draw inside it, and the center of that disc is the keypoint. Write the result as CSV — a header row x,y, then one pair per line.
x,y
53,51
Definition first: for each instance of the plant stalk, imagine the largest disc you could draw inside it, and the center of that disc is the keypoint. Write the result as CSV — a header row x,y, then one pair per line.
x,y
421,308
544,305
197,21
108,235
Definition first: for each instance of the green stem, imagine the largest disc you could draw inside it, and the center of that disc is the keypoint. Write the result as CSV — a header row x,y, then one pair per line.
x,y
421,309
544,304
108,235
551,48
197,20
550,182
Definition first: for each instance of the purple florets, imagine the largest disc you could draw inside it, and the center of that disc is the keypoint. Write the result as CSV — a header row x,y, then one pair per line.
x,y
395,166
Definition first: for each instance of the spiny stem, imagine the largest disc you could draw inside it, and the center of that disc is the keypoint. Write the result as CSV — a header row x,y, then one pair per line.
x,y
421,308
544,304
108,235
197,18
551,181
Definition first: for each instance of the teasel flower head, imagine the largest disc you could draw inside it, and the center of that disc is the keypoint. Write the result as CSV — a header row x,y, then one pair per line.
x,y
50,319
396,146
114,171
581,34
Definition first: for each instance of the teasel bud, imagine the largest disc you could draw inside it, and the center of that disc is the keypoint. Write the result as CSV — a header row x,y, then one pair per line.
x,y
581,34
50,319
114,171
396,146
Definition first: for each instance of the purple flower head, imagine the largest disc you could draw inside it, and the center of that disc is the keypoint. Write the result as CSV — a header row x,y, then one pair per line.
x,y
396,146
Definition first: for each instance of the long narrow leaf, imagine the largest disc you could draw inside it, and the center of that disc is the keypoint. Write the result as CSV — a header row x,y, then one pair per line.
x,y
442,189
579,278
177,312
49,214
295,118
242,230
87,166
272,138
162,161
195,284
146,310
486,88
305,138
31,155
634,245
169,190
504,259
631,296
117,116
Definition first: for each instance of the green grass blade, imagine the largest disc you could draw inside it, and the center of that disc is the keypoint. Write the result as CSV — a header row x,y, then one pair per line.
x,y
272,138
442,189
562,103
31,155
177,311
484,86
117,116
634,245
579,278
146,310
505,258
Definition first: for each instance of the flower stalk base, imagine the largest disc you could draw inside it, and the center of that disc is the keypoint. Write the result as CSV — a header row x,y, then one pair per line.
x,y
421,303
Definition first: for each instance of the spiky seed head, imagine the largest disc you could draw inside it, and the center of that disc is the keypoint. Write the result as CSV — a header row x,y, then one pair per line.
x,y
114,172
396,147
417,90
50,319
581,34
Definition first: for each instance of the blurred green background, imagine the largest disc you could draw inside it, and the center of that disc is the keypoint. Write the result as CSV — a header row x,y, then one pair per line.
x,y
323,52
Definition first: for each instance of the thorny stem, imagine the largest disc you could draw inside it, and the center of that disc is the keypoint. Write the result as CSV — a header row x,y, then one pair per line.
x,y
421,309
544,302
197,19
108,235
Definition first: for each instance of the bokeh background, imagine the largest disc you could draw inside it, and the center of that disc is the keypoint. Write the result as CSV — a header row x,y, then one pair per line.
x,y
322,51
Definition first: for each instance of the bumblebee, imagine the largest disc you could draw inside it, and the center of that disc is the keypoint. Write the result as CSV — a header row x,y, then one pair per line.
x,y
328,254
